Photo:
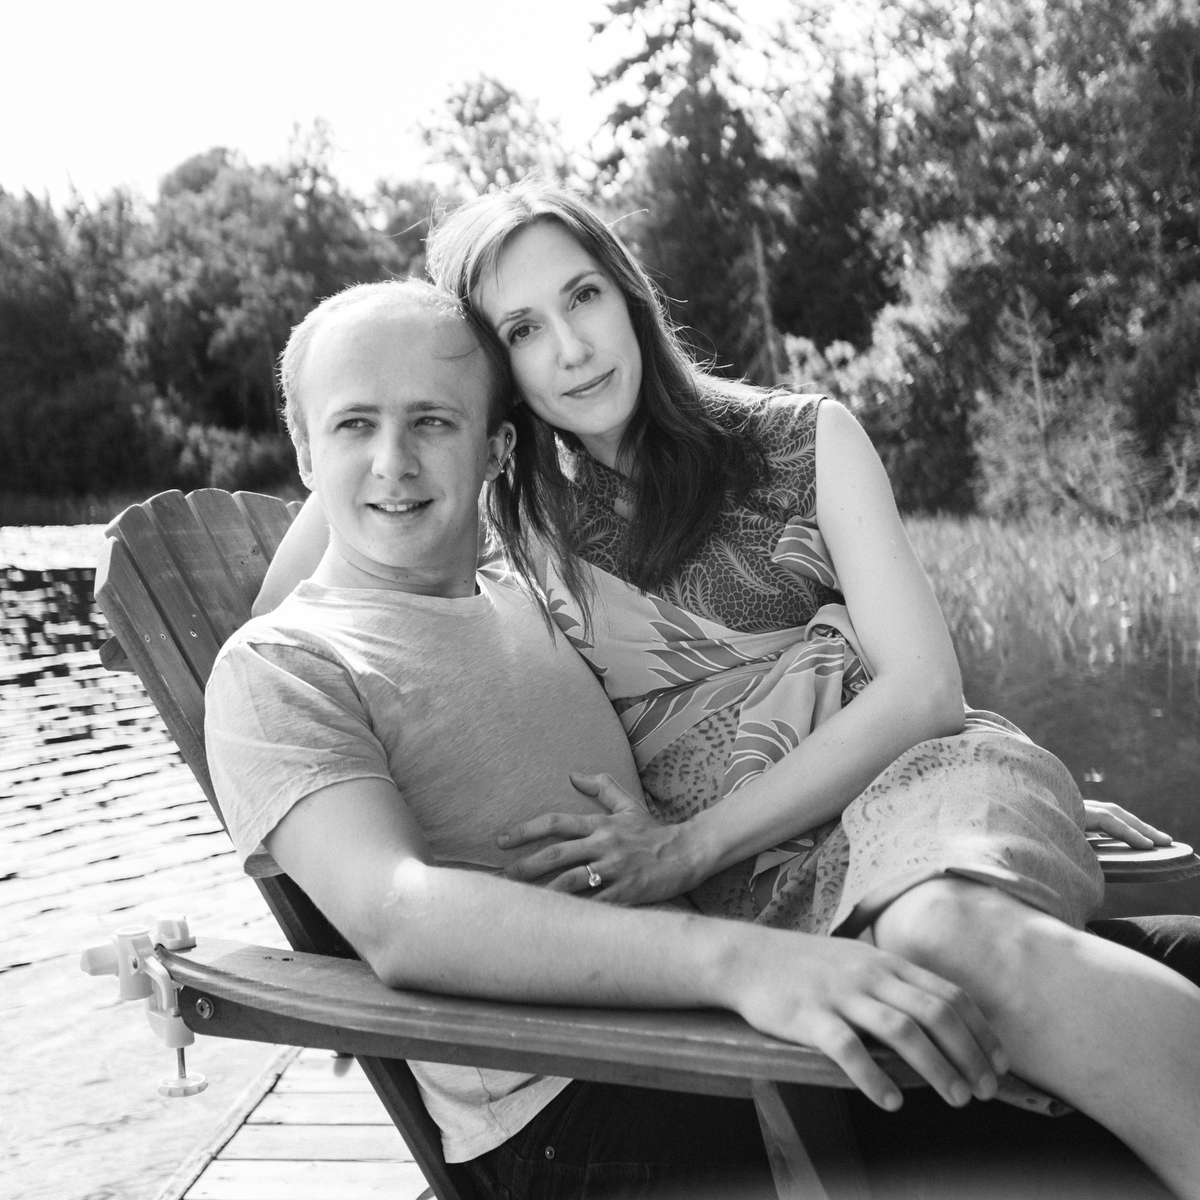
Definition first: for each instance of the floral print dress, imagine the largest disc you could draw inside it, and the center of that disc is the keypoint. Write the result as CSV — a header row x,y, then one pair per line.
x,y
746,650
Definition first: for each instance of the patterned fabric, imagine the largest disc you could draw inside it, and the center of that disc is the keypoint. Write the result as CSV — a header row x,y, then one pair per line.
x,y
745,652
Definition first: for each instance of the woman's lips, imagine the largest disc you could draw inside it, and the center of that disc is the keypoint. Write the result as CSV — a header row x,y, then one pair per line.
x,y
592,384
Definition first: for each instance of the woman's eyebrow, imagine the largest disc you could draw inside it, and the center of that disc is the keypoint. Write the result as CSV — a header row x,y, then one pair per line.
x,y
575,280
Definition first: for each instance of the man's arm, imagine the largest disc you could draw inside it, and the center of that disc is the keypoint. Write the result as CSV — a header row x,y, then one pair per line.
x,y
355,848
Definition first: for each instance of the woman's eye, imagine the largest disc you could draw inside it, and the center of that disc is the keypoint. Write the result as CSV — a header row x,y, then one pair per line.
x,y
518,333
589,291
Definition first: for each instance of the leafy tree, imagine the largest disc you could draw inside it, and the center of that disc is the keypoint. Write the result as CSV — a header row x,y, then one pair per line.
x,y
699,181
490,136
402,211
832,271
238,255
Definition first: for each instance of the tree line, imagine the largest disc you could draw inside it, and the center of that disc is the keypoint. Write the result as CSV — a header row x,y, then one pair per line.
x,y
978,224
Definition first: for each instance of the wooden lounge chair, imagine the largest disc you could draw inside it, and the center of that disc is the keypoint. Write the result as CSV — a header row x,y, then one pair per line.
x,y
177,576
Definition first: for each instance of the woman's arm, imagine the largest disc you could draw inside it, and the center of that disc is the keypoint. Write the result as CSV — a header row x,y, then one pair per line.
x,y
297,557
916,694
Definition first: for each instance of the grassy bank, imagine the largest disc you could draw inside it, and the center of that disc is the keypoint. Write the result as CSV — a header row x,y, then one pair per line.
x,y
16,509
1073,592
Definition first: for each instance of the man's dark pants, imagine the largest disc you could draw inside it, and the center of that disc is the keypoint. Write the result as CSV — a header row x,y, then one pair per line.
x,y
603,1141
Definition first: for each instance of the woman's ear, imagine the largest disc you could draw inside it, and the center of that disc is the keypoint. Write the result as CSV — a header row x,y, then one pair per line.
x,y
500,446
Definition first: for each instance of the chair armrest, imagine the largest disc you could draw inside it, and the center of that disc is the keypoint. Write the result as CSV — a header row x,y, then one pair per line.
x,y
1121,863
264,994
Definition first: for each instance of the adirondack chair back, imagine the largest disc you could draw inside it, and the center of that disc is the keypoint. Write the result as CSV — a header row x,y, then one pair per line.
x,y
177,575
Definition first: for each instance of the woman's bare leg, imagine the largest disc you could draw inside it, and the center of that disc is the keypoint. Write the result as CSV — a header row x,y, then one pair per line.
x,y
1109,1030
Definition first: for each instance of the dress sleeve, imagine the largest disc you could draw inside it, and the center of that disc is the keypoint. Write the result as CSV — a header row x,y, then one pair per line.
x,y
282,722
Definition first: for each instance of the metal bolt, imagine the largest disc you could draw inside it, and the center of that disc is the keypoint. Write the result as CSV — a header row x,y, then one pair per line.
x,y
204,1008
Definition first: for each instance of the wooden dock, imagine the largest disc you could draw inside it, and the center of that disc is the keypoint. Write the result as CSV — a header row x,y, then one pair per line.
x,y
309,1128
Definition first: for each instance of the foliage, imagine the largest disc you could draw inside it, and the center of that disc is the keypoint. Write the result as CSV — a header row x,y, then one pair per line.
x,y
490,136
236,256
977,224
1072,591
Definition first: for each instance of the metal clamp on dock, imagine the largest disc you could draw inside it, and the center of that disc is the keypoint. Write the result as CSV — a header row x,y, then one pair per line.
x,y
129,955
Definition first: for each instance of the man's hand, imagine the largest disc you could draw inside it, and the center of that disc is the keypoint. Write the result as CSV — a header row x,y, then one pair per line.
x,y
638,860
828,992
1118,823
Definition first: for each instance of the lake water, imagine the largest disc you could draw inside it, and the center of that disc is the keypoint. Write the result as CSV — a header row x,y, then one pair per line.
x,y
103,824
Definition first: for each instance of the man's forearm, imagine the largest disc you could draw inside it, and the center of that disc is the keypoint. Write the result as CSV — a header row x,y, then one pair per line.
x,y
473,934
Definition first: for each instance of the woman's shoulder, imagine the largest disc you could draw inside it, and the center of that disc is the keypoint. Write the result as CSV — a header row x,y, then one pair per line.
x,y
785,427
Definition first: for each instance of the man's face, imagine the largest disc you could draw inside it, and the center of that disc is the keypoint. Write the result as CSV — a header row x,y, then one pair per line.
x,y
398,450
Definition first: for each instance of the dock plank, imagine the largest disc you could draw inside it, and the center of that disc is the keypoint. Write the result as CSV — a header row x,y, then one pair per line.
x,y
318,1143
231,1180
314,1108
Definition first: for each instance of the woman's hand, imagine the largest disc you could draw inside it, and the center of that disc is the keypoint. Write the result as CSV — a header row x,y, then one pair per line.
x,y
1118,823
637,860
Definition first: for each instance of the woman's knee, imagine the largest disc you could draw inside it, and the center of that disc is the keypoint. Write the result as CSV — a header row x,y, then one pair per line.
x,y
969,932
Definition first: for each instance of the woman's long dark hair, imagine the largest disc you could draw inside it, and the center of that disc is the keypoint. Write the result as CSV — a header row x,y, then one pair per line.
x,y
688,445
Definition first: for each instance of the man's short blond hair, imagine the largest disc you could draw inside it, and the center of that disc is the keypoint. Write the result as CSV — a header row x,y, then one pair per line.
x,y
392,295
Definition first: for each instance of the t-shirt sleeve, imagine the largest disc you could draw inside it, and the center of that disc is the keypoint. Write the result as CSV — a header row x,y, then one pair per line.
x,y
281,722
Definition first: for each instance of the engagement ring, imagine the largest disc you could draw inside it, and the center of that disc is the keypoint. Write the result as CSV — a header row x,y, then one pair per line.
x,y
594,879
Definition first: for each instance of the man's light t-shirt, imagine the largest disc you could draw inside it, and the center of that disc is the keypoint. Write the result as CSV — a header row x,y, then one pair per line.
x,y
469,705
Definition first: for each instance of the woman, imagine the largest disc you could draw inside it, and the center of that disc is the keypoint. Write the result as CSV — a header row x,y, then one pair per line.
x,y
698,543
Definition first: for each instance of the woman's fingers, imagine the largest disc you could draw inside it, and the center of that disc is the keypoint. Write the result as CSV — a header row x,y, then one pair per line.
x,y
551,860
558,825
1123,831
606,789
1118,822
577,881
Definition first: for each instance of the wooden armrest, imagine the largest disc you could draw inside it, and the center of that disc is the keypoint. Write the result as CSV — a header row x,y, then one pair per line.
x,y
1121,863
263,994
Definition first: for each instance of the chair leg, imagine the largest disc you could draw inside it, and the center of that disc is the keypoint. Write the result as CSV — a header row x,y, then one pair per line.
x,y
810,1142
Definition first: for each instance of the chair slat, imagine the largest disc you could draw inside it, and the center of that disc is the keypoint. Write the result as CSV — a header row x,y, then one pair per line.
x,y
294,507
152,649
268,517
180,610
198,561
235,541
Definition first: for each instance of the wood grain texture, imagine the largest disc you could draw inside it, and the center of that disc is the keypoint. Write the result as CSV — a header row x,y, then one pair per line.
x,y
193,551
704,1050
1122,863
269,1180
315,1108
267,516
233,539
150,645
318,1142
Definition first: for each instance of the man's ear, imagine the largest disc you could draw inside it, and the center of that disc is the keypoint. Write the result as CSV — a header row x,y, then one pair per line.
x,y
304,462
500,446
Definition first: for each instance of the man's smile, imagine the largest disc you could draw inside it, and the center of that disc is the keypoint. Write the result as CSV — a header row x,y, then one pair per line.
x,y
399,506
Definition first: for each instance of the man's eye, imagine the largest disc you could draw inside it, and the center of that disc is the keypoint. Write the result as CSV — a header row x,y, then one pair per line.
x,y
353,423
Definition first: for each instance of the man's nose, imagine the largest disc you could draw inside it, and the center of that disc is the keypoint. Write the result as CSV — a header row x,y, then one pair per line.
x,y
395,457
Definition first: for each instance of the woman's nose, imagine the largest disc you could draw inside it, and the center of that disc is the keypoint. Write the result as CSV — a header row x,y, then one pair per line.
x,y
573,349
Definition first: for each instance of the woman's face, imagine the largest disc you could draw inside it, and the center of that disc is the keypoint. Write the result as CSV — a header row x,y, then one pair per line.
x,y
574,354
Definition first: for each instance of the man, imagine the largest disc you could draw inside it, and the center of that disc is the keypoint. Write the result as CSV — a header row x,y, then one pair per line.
x,y
398,710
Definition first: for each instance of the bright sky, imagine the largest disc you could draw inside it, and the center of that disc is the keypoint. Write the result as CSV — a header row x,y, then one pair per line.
x,y
120,92
100,94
